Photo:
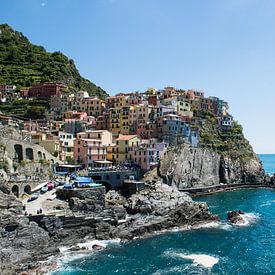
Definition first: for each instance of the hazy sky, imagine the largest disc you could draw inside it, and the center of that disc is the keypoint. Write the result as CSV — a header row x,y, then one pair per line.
x,y
224,47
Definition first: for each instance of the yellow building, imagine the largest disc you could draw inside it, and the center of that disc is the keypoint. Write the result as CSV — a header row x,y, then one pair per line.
x,y
124,121
139,114
124,144
93,106
120,101
115,120
184,108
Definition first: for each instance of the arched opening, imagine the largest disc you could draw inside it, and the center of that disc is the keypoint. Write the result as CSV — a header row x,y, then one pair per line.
x,y
52,161
27,189
18,152
39,154
15,191
29,154
44,156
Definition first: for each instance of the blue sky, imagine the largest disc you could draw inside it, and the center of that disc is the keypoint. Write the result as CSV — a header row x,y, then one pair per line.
x,y
224,47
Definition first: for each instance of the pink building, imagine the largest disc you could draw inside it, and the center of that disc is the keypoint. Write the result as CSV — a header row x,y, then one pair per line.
x,y
91,146
102,122
31,126
148,153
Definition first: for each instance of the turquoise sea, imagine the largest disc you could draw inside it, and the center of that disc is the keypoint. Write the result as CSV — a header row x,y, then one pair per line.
x,y
218,248
268,161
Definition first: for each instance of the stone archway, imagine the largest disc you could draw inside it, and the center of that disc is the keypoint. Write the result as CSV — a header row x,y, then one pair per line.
x,y
27,189
15,190
29,154
18,152
44,156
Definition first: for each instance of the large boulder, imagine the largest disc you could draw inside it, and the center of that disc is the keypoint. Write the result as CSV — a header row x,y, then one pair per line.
x,y
235,216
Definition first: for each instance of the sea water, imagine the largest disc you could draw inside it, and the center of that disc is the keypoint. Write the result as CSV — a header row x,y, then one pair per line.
x,y
216,248
268,161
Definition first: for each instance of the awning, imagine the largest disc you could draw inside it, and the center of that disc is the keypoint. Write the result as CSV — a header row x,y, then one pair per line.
x,y
103,161
83,180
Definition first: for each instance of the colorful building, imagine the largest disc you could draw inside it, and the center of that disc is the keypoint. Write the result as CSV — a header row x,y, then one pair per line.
x,y
124,144
46,90
91,146
66,145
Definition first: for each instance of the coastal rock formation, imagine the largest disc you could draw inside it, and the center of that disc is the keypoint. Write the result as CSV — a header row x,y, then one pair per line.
x,y
235,216
187,167
159,208
26,240
21,242
241,171
190,167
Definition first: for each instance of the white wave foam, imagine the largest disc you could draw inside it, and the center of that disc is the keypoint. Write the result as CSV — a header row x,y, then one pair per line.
x,y
249,218
218,225
204,260
89,245
268,203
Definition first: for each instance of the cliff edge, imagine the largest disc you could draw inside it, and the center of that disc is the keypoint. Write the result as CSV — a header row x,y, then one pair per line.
x,y
224,156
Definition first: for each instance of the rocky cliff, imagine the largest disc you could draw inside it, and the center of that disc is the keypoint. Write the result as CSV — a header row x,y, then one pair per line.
x,y
224,156
192,167
21,242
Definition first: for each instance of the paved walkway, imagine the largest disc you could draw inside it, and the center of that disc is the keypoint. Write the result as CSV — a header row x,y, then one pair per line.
x,y
202,190
33,206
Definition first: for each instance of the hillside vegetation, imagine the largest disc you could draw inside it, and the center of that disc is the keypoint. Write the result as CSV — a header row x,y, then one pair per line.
x,y
24,64
230,142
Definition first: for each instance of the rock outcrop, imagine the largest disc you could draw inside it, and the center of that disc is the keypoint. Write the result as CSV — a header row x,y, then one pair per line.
x,y
160,208
187,167
235,216
26,240
248,171
21,242
190,167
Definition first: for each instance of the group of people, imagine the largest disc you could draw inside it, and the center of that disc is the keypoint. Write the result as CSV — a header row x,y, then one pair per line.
x,y
38,211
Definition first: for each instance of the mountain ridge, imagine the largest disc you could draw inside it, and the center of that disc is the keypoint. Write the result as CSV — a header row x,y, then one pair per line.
x,y
24,64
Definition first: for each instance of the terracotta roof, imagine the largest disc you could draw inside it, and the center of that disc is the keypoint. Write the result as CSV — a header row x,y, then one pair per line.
x,y
126,137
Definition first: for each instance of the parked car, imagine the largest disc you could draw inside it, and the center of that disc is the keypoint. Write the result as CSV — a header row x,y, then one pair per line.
x,y
44,189
32,198
50,186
